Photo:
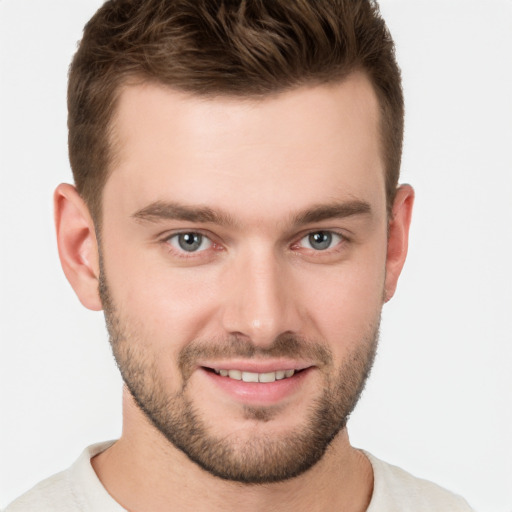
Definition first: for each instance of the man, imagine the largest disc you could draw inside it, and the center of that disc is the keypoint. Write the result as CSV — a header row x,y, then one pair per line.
x,y
237,217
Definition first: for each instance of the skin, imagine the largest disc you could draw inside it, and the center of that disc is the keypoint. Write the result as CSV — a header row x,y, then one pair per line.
x,y
262,164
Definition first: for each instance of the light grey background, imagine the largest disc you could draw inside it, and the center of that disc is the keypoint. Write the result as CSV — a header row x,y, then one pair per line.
x,y
439,400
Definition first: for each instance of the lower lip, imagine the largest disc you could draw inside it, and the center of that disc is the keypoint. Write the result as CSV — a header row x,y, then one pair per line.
x,y
259,393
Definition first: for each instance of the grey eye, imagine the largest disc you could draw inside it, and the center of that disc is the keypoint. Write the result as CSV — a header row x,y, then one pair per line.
x,y
190,242
320,240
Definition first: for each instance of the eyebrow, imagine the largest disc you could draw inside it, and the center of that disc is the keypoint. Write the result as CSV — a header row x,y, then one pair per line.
x,y
332,211
164,210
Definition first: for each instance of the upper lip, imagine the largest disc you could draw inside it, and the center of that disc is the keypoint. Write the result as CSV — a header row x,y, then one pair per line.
x,y
257,366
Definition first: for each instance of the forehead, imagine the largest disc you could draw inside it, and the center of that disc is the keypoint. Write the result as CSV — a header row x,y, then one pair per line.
x,y
312,144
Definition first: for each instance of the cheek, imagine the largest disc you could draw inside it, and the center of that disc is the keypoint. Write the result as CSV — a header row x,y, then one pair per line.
x,y
344,303
160,305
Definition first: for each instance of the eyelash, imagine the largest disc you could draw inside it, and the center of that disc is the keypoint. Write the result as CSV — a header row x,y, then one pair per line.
x,y
181,253
331,234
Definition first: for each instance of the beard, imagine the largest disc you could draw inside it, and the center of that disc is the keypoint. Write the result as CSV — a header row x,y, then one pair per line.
x,y
263,456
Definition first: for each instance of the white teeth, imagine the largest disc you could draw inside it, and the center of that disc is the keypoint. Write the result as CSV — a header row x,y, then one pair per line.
x,y
267,377
255,377
235,374
249,377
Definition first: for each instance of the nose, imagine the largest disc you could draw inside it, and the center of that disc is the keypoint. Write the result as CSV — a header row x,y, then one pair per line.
x,y
261,303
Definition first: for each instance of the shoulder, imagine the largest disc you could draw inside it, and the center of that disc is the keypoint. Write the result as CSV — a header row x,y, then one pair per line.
x,y
398,491
45,495
73,490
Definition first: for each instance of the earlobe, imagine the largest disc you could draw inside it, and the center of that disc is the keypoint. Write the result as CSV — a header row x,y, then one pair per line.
x,y
78,247
398,237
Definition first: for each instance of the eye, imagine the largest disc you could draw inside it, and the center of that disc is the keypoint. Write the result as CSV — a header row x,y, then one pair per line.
x,y
190,242
320,240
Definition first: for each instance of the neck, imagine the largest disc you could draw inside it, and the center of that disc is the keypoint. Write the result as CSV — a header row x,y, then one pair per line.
x,y
143,471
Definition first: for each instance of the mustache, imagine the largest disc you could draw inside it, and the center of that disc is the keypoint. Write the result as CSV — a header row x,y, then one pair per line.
x,y
235,346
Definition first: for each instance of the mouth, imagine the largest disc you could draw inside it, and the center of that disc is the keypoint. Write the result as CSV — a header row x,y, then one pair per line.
x,y
258,384
246,376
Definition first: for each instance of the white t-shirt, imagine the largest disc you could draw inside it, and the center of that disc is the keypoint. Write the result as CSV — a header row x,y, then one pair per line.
x,y
78,489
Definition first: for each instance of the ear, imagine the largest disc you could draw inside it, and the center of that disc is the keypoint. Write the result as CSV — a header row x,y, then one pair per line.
x,y
398,237
78,247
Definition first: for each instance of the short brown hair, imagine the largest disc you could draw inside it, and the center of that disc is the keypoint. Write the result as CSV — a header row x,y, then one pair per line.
x,y
224,47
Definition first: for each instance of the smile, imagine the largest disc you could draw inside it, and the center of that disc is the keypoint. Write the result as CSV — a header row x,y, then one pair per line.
x,y
255,377
258,383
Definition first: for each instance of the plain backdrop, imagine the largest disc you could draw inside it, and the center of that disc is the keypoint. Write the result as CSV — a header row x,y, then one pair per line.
x,y
439,400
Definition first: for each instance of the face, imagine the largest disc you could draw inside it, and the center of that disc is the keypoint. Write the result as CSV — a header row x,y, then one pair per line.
x,y
243,269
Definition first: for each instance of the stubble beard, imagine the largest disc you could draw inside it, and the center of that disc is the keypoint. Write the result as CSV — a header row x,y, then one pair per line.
x,y
256,459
